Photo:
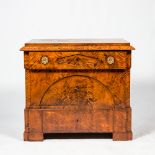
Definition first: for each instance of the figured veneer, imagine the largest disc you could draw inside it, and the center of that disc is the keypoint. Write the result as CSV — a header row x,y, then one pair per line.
x,y
77,86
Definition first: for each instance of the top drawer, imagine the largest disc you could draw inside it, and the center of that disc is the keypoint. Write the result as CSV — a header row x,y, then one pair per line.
x,y
77,60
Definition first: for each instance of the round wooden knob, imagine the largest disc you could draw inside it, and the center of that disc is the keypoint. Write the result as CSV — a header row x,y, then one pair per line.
x,y
44,60
110,60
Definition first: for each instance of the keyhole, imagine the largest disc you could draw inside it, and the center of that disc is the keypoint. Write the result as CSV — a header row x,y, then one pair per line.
x,y
77,89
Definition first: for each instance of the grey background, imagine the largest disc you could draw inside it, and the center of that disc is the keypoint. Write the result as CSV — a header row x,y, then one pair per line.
x,y
22,20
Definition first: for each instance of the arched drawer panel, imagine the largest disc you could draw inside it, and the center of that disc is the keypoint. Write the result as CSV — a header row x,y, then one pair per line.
x,y
81,92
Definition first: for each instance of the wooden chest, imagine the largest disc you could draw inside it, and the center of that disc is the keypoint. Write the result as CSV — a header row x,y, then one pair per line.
x,y
77,86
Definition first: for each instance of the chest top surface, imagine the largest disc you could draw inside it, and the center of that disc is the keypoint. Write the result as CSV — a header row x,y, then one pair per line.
x,y
76,44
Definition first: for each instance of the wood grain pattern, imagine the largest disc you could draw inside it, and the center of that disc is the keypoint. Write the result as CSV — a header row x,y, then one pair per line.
x,y
100,85
77,91
52,48
28,87
77,60
76,121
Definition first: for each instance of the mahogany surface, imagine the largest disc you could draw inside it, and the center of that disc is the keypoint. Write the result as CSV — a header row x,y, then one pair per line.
x,y
77,86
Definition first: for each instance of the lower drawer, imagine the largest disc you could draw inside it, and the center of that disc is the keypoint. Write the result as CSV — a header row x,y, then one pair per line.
x,y
77,121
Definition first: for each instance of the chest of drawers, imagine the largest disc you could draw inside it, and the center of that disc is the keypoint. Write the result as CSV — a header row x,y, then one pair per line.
x,y
77,86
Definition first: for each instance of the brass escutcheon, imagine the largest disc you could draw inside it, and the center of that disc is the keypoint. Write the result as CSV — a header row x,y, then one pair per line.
x,y
44,60
110,60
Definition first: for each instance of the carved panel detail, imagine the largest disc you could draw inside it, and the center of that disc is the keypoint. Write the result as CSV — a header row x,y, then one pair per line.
x,y
78,91
80,60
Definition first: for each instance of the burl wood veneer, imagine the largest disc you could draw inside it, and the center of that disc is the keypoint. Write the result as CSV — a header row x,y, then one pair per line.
x,y
77,86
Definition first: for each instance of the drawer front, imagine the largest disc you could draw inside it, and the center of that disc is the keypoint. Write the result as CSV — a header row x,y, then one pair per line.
x,y
76,60
78,90
77,121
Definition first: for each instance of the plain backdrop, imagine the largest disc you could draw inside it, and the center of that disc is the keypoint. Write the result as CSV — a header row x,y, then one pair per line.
x,y
23,20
